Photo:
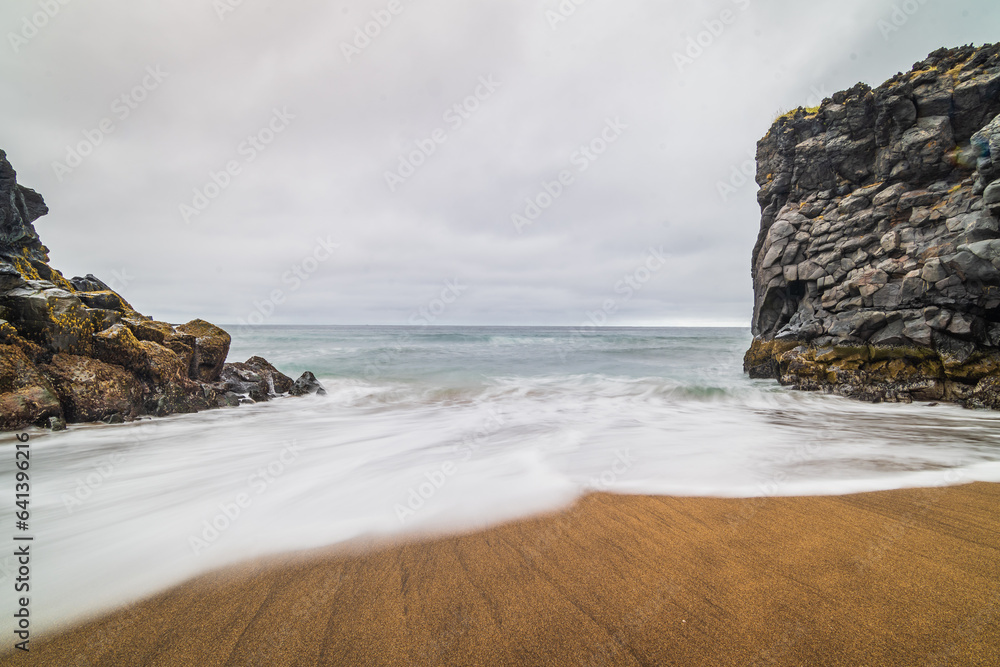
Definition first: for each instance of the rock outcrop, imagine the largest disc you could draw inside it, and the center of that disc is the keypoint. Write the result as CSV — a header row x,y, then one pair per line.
x,y
877,269
75,350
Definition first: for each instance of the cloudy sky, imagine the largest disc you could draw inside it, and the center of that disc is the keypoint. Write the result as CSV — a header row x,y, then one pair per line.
x,y
525,161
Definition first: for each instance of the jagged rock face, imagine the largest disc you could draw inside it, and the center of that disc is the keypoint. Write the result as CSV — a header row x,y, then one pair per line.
x,y
879,230
75,350
19,207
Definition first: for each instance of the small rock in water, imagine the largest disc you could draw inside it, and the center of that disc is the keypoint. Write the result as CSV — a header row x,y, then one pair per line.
x,y
307,384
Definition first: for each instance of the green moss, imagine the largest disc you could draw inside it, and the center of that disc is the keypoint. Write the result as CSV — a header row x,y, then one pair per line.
x,y
73,328
806,112
891,353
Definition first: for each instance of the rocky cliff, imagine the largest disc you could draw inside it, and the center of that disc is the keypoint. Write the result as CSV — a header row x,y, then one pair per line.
x,y
877,269
75,350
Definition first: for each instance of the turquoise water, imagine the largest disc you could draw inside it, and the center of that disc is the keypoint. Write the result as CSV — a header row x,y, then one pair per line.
x,y
443,429
700,359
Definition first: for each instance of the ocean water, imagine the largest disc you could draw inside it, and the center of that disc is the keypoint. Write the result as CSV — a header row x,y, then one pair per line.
x,y
442,429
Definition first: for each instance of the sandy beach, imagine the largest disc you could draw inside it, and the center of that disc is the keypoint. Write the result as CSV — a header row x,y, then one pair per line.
x,y
908,577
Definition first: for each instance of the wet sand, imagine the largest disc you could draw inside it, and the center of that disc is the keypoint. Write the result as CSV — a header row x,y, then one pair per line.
x,y
907,577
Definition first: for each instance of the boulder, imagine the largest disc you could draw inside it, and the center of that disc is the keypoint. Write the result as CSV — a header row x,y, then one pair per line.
x,y
211,346
307,384
105,300
89,283
26,396
48,315
182,396
116,345
162,365
91,390
255,378
150,330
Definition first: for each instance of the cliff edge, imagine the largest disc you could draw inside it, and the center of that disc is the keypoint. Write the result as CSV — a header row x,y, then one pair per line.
x,y
877,269
76,351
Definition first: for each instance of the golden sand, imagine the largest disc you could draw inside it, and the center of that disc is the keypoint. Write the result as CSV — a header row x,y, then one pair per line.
x,y
907,577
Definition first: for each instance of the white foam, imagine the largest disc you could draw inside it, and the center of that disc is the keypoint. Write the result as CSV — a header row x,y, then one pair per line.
x,y
486,453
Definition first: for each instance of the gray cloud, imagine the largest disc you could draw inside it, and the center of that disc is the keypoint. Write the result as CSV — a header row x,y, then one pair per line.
x,y
323,176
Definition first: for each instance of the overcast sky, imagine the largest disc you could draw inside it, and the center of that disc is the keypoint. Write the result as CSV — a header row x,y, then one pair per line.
x,y
120,112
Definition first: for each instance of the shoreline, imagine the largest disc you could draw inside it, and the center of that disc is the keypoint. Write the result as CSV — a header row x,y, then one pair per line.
x,y
910,576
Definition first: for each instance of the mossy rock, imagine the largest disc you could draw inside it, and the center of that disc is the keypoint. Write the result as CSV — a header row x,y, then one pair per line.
x,y
761,360
91,390
980,365
163,365
49,316
210,349
26,396
150,330
10,336
879,353
118,346
987,393
106,300
182,396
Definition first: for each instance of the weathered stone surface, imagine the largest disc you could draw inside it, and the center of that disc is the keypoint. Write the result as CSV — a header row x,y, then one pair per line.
x,y
307,384
116,345
211,345
105,300
162,365
182,396
905,253
986,393
9,336
19,207
26,396
150,330
48,315
91,390
255,378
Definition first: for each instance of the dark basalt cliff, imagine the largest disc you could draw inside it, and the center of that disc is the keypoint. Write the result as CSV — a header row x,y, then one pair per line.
x,y
75,350
877,269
